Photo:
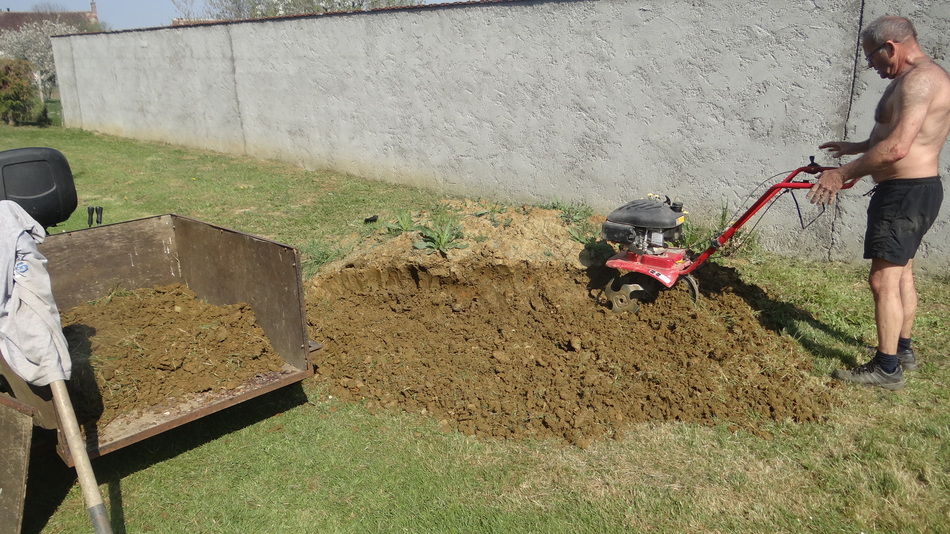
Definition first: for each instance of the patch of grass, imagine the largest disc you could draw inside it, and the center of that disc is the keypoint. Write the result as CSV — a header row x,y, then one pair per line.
x,y
582,229
572,213
132,180
115,292
317,254
694,237
54,110
587,233
698,237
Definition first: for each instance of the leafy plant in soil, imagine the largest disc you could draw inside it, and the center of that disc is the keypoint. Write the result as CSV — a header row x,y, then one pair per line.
x,y
444,234
404,223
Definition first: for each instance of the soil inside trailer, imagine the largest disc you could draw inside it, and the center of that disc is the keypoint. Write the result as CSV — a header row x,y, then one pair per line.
x,y
153,348
508,337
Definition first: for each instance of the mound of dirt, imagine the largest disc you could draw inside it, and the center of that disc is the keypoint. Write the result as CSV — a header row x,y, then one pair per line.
x,y
134,350
506,338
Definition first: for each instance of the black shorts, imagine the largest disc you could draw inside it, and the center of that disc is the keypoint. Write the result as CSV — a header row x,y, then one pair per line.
x,y
900,213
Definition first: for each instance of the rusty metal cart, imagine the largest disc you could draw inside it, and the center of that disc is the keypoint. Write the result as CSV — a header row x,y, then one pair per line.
x,y
221,266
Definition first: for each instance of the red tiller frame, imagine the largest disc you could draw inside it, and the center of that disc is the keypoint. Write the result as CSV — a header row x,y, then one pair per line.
x,y
673,263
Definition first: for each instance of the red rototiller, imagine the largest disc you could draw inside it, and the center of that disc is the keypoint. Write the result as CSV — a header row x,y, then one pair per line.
x,y
644,228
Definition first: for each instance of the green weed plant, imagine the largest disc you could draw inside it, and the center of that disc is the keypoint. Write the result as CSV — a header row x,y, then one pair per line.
x,y
404,222
442,234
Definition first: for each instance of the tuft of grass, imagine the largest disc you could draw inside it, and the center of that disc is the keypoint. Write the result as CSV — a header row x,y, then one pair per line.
x,y
587,233
582,229
698,237
315,254
572,213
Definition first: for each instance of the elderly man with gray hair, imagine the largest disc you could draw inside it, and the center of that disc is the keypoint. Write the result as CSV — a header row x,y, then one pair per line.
x,y
901,155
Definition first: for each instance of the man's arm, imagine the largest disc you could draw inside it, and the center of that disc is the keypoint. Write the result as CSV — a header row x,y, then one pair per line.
x,y
844,148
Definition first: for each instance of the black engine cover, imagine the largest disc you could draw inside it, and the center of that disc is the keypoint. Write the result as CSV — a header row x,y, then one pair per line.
x,y
638,220
40,181
646,213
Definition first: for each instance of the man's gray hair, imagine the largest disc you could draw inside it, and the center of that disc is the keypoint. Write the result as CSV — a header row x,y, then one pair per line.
x,y
888,28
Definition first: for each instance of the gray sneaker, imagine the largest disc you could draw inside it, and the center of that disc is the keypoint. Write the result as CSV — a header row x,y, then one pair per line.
x,y
870,374
907,359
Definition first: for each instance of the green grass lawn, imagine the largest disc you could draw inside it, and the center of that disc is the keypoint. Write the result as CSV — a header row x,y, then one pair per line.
x,y
299,461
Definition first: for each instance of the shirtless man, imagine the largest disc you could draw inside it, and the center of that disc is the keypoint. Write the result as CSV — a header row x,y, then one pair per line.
x,y
901,155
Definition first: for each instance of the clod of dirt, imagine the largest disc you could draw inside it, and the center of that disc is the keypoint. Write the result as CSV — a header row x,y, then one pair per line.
x,y
506,339
136,349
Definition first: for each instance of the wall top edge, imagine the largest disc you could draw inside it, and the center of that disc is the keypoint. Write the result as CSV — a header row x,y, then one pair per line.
x,y
375,11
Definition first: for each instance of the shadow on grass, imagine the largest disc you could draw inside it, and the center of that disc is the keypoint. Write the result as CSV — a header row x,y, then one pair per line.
x,y
778,315
50,480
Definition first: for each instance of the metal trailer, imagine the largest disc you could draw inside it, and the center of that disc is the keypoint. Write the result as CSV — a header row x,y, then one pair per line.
x,y
86,265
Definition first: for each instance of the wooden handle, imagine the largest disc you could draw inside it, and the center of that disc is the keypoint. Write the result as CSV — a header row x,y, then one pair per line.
x,y
77,449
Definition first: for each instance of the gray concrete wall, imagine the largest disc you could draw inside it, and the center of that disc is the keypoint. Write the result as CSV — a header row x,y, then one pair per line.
x,y
595,101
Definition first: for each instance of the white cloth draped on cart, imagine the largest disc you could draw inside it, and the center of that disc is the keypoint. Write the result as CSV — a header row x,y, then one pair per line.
x,y
31,334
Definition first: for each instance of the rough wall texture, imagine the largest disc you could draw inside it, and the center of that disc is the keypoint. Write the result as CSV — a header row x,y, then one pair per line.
x,y
595,101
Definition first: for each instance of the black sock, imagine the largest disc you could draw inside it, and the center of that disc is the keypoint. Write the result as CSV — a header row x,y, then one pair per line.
x,y
887,362
903,343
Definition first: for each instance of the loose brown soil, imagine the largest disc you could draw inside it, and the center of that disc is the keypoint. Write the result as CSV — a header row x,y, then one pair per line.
x,y
507,338
137,349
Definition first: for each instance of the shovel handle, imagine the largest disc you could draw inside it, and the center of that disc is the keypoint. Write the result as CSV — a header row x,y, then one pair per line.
x,y
77,449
